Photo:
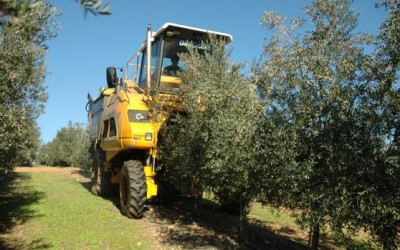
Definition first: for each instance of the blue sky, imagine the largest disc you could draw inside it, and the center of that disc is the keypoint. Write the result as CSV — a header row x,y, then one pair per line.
x,y
84,47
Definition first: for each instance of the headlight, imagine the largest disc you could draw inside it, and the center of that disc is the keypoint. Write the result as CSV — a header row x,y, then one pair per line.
x,y
148,136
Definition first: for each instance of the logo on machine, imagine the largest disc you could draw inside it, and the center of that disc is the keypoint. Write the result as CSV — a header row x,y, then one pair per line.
x,y
139,116
194,45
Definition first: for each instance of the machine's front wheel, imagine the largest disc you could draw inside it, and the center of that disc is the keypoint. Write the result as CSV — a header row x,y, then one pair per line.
x,y
101,180
133,189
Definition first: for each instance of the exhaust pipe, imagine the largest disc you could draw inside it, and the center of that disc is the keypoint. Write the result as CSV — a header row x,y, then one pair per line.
x,y
148,60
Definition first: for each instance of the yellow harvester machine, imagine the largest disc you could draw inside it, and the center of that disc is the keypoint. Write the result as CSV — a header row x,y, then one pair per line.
x,y
123,131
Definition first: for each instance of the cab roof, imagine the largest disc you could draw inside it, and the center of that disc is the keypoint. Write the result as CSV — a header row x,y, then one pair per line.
x,y
189,32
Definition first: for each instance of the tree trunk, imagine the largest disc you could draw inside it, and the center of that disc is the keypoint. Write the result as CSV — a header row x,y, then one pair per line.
x,y
243,220
315,237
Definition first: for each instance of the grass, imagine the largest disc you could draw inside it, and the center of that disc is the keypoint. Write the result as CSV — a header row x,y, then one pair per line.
x,y
281,222
52,210
64,215
272,216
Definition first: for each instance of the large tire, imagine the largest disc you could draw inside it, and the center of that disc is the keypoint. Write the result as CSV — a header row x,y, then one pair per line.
x,y
101,180
133,190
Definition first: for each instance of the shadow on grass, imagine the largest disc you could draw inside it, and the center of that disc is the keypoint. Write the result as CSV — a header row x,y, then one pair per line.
x,y
87,185
16,196
189,227
179,223
182,223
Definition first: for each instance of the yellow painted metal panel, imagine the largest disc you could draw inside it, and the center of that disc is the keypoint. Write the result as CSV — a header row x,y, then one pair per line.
x,y
151,184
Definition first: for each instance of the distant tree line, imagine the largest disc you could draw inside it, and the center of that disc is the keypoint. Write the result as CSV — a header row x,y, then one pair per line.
x,y
69,148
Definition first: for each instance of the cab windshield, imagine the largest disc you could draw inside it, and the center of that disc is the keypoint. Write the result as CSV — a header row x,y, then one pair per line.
x,y
171,64
166,65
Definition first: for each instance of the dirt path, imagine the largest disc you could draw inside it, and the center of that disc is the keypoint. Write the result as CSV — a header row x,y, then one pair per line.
x,y
72,171
45,169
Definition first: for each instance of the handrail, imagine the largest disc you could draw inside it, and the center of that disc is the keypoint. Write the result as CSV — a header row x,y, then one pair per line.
x,y
135,73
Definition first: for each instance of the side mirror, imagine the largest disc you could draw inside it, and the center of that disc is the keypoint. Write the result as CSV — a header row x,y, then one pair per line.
x,y
112,78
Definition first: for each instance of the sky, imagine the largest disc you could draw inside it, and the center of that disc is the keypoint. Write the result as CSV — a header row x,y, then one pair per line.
x,y
86,46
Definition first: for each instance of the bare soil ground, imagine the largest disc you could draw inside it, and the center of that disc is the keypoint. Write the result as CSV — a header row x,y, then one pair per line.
x,y
186,224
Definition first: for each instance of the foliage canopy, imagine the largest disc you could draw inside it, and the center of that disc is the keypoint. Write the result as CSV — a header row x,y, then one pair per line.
x,y
324,86
68,148
22,71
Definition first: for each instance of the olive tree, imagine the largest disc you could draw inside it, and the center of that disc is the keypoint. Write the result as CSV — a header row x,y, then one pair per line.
x,y
380,210
16,9
25,26
22,71
315,79
214,141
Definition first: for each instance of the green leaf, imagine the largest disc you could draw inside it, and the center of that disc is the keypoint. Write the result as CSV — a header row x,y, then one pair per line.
x,y
97,4
104,10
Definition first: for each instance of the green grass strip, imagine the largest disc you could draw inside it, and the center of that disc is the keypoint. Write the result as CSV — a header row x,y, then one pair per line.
x,y
62,214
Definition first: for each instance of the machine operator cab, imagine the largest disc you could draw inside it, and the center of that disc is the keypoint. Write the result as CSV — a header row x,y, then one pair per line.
x,y
163,63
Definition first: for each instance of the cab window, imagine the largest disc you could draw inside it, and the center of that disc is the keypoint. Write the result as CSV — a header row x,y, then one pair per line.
x,y
143,69
113,129
105,128
109,128
171,63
